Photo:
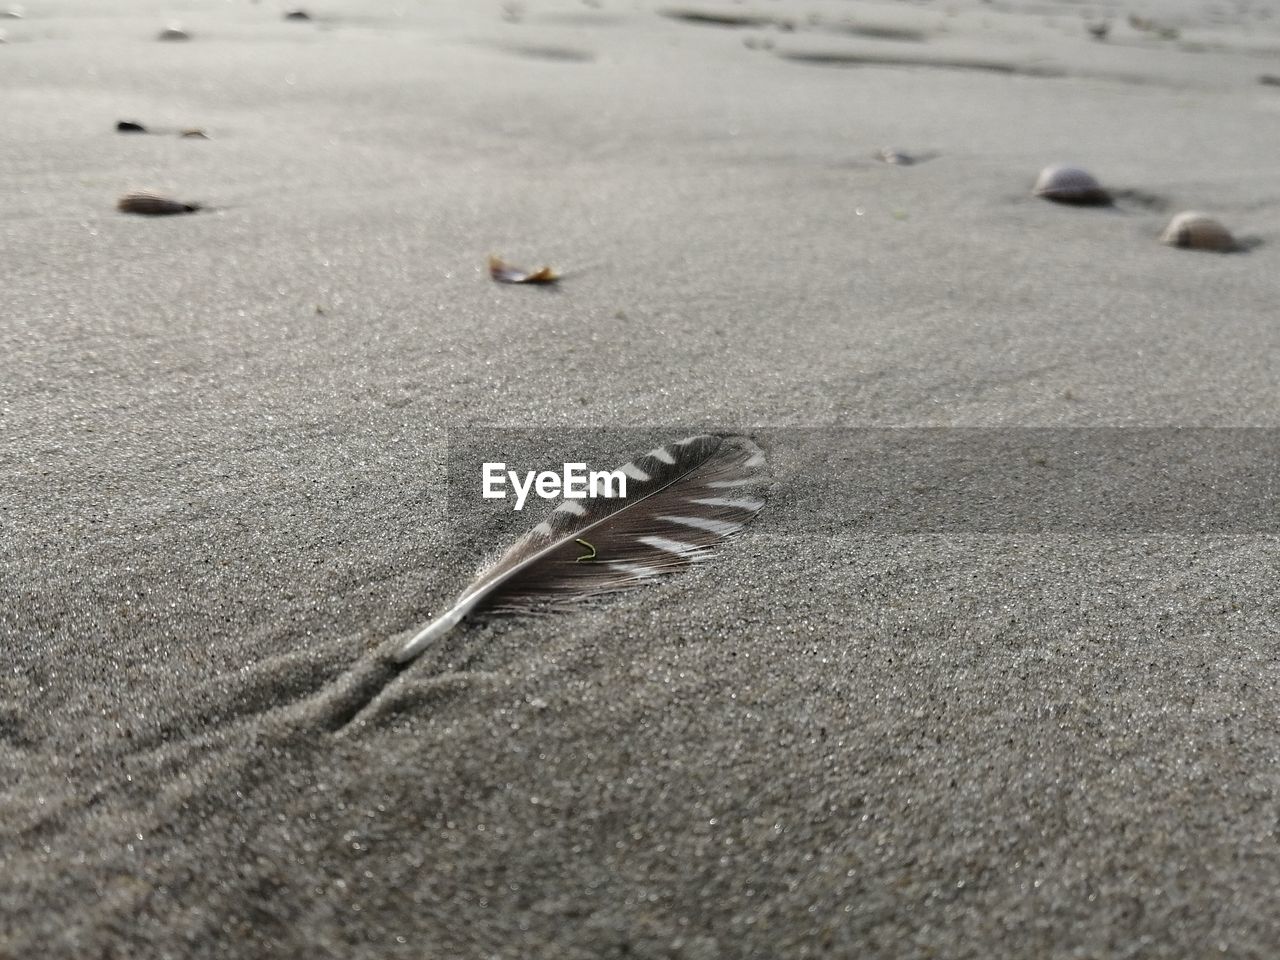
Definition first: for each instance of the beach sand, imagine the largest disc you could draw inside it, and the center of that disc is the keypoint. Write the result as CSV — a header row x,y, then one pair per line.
x,y
223,476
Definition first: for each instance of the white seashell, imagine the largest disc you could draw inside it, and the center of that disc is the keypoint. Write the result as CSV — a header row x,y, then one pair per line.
x,y
896,157
151,205
1066,184
1195,231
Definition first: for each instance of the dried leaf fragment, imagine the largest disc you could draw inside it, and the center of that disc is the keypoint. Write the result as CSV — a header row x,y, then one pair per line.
x,y
150,205
505,273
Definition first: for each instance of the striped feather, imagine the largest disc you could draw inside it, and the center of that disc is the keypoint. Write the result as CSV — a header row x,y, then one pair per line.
x,y
682,500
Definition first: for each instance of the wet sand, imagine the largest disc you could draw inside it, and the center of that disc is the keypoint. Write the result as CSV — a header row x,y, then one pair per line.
x,y
223,490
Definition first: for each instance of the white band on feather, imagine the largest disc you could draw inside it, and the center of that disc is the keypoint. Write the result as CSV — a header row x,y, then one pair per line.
x,y
721,528
634,570
752,505
634,472
685,550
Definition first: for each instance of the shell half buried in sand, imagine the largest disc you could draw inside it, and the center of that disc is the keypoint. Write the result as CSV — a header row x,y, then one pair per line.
x,y
1067,184
150,205
894,156
173,32
1196,231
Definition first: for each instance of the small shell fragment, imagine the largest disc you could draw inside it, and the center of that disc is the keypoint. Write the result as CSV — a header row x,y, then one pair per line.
x,y
1196,231
193,133
1065,184
173,32
896,157
129,126
505,273
150,205
297,15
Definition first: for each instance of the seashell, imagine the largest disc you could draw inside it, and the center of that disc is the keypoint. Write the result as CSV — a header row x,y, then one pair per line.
x,y
897,157
1195,231
173,32
297,15
1065,184
193,133
129,126
150,205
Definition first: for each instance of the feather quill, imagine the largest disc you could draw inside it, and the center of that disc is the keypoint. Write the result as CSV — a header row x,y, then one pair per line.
x,y
682,500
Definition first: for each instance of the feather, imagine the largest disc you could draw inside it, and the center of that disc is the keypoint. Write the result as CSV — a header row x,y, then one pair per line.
x,y
681,501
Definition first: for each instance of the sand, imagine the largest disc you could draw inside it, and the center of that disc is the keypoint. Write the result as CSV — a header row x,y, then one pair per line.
x,y
223,482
